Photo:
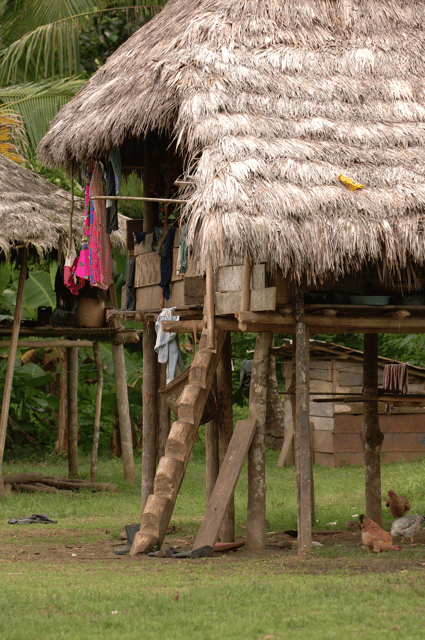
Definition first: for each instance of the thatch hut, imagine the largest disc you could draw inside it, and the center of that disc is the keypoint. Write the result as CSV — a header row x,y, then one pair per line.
x,y
35,221
298,131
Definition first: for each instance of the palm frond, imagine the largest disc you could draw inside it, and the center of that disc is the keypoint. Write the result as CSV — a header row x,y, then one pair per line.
x,y
37,103
11,135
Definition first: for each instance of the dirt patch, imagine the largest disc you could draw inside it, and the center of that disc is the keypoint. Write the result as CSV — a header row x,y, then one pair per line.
x,y
49,543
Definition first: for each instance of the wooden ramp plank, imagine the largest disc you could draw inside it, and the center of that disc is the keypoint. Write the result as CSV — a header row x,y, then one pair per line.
x,y
226,483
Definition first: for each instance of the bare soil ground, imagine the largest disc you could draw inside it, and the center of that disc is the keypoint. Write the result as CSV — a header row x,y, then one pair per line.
x,y
39,544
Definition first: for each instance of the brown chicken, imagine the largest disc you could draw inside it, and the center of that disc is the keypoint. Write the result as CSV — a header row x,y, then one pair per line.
x,y
398,505
375,538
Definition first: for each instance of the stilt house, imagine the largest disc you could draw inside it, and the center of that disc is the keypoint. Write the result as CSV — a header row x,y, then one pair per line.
x,y
289,138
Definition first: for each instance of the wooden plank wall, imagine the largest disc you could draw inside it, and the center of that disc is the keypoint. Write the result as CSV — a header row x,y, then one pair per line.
x,y
337,426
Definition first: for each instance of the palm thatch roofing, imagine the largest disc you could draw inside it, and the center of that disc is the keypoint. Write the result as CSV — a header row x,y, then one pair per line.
x,y
34,211
271,101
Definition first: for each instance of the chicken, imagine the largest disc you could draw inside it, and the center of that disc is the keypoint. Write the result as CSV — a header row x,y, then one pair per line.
x,y
398,505
375,538
407,526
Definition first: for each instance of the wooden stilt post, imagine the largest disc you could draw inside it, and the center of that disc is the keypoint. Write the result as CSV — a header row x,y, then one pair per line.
x,y
256,457
212,460
164,417
62,441
290,430
123,411
210,307
225,425
372,437
97,412
302,428
72,412
246,285
11,362
150,411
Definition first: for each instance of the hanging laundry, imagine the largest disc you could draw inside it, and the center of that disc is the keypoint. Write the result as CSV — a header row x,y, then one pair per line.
x,y
396,380
183,252
166,261
83,266
100,251
167,345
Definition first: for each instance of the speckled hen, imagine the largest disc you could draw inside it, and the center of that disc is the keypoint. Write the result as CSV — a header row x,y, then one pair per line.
x,y
407,526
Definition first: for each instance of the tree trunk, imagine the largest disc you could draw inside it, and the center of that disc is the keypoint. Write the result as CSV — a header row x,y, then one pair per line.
x,y
212,461
150,411
72,411
123,412
275,415
302,429
164,417
372,437
62,441
256,515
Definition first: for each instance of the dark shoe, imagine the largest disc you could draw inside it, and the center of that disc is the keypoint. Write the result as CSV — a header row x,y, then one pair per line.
x,y
131,530
165,553
202,552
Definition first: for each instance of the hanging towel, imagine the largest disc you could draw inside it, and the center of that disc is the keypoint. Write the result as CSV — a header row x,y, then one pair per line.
x,y
395,380
167,345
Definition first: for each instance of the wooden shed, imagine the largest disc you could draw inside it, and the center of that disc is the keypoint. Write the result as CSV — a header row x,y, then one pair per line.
x,y
336,378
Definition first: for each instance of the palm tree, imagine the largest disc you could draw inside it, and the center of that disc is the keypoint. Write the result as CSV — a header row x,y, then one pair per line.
x,y
42,43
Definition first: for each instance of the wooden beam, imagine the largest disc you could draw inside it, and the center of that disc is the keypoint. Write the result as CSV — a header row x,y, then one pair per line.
x,y
302,428
45,344
150,411
11,361
97,412
246,285
372,437
226,483
72,412
210,305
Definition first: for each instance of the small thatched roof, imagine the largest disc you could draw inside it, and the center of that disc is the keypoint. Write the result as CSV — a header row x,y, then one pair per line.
x,y
271,101
34,211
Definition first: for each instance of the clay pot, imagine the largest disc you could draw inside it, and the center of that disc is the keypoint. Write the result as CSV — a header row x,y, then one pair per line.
x,y
90,312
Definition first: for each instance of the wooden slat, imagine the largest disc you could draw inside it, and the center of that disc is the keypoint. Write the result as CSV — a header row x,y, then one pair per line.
x,y
261,300
350,442
229,278
226,483
148,270
392,423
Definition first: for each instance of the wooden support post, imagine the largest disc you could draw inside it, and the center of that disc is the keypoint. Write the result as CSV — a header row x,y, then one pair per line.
x,y
256,514
97,412
62,441
123,411
164,417
209,289
246,285
150,411
212,461
11,362
225,425
302,428
72,412
372,437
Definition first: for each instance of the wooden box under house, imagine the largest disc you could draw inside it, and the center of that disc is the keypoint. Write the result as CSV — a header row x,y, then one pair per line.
x,y
188,289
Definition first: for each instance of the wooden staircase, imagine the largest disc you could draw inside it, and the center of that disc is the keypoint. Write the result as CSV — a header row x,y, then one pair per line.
x,y
172,466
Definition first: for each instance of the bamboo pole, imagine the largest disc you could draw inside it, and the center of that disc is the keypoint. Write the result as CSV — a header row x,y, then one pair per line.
x,y
302,429
72,411
97,412
209,285
150,411
246,285
139,199
225,426
256,514
11,362
62,441
372,437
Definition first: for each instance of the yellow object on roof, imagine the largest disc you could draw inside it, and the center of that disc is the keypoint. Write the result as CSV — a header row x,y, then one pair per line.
x,y
350,183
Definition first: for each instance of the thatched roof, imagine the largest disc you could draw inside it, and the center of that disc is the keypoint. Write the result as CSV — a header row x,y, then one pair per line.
x,y
34,211
271,101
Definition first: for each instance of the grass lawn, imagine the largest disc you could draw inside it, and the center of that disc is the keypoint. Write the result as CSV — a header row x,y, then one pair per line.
x,y
64,581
